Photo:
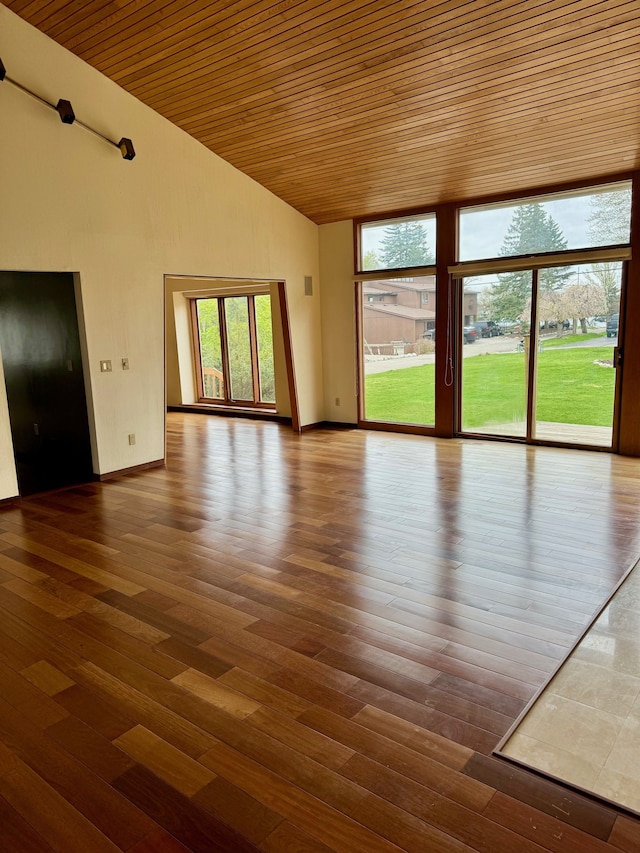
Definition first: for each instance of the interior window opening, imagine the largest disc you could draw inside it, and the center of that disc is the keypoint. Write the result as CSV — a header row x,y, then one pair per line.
x,y
233,346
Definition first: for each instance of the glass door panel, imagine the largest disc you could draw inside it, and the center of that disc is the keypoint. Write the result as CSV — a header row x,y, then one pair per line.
x,y
233,349
578,312
210,349
264,334
239,347
495,321
398,350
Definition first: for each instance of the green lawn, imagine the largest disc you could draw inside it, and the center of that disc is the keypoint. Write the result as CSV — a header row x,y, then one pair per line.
x,y
571,389
563,340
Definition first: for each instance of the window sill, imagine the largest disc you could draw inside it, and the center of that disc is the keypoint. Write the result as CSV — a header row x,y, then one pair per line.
x,y
231,411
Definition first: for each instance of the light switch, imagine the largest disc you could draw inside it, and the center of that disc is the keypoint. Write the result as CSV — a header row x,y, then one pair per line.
x,y
105,366
125,364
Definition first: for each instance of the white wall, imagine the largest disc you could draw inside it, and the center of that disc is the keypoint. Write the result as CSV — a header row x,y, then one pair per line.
x,y
71,203
338,321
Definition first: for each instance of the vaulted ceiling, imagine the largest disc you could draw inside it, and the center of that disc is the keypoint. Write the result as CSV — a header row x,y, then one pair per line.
x,y
347,107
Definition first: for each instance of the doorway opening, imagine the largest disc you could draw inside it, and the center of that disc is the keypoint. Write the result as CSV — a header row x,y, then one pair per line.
x,y
228,348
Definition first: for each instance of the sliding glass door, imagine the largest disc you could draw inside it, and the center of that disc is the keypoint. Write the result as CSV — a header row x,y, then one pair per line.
x,y
578,310
547,373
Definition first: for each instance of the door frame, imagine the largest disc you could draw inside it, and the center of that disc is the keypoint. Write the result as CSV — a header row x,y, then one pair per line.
x,y
532,372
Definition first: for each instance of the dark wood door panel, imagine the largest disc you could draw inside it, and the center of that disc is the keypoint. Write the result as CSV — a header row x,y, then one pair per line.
x,y
40,346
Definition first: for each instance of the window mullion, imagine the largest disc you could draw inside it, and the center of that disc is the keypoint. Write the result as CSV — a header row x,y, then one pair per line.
x,y
197,351
224,346
253,340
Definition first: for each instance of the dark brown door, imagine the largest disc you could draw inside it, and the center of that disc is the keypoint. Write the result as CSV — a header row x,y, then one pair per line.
x,y
40,347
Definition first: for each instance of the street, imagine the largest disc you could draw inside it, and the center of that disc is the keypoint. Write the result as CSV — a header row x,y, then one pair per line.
x,y
501,343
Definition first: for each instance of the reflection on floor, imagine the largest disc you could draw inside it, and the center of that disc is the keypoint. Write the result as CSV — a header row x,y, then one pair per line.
x,y
584,434
585,726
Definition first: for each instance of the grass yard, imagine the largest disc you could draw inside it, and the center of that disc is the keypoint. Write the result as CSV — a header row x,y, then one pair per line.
x,y
571,390
563,340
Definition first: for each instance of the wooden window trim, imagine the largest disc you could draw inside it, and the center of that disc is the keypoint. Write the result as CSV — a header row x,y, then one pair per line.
x,y
227,402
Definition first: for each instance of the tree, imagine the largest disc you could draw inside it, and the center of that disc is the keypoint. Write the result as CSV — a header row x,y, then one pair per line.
x,y
404,244
576,301
370,261
264,331
531,230
552,308
610,217
508,299
582,300
607,276
609,223
239,347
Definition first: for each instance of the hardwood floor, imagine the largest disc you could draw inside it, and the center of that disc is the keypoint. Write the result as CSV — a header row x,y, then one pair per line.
x,y
302,643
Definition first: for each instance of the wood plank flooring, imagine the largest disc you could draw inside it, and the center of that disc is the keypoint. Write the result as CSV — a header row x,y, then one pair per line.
x,y
307,642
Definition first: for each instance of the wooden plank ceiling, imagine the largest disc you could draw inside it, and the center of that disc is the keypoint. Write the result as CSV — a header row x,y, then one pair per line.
x,y
347,107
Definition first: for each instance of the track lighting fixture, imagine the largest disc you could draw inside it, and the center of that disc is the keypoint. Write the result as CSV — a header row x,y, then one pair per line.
x,y
126,148
68,116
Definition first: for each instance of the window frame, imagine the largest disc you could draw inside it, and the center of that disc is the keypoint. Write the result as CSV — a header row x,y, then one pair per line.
x,y
388,219
228,401
448,270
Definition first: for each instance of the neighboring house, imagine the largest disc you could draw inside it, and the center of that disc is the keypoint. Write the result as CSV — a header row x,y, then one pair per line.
x,y
404,309
384,323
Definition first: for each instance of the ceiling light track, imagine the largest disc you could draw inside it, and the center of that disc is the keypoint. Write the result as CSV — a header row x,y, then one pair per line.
x,y
67,115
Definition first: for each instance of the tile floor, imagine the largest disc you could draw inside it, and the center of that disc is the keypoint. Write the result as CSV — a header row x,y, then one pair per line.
x,y
584,728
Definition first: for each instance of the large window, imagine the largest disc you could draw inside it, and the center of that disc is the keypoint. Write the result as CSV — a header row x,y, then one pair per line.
x,y
397,298
529,320
397,332
543,365
233,343
581,219
391,244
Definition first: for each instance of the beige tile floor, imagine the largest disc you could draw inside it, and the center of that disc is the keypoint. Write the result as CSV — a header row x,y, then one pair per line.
x,y
584,728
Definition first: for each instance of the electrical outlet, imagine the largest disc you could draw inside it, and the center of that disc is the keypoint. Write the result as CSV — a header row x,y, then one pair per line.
x,y
132,438
125,364
337,401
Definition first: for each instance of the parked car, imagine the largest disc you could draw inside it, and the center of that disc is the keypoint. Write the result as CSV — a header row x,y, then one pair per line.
x,y
612,326
468,334
487,328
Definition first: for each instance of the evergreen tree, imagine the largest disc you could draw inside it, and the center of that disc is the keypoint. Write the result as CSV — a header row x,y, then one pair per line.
x,y
404,244
532,230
